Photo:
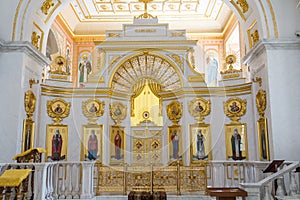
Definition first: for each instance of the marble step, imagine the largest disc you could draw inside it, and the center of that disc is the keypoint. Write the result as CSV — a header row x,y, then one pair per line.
x,y
169,197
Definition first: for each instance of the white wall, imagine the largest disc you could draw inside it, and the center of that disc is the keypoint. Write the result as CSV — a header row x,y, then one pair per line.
x,y
284,83
287,17
277,61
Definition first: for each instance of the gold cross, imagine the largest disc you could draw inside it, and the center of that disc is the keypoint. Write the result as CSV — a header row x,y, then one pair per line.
x,y
145,2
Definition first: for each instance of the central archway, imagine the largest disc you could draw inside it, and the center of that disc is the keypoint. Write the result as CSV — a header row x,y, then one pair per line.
x,y
146,65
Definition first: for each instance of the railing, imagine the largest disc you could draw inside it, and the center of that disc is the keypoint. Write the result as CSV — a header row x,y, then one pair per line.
x,y
85,180
284,184
232,173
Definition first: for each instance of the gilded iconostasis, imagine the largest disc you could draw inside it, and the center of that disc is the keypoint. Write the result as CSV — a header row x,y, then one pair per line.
x,y
143,105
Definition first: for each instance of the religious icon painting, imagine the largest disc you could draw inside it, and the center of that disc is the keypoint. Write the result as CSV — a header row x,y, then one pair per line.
x,y
234,108
93,109
28,134
84,67
58,109
117,145
263,139
56,142
200,145
175,143
91,142
236,142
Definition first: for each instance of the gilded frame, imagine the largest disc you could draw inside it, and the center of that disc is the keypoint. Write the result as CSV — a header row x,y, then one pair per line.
x,y
175,154
28,134
196,156
51,130
88,142
117,154
230,146
263,139
235,172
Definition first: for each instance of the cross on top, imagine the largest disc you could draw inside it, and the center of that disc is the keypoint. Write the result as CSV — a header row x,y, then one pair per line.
x,y
145,2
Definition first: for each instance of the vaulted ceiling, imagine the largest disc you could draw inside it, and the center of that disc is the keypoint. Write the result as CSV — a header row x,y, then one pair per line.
x,y
93,17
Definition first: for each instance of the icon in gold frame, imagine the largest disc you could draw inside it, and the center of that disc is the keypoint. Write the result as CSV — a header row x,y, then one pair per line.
x,y
200,146
91,140
236,142
56,142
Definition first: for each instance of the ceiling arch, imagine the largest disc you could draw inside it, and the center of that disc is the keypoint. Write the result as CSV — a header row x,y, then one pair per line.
x,y
28,17
143,66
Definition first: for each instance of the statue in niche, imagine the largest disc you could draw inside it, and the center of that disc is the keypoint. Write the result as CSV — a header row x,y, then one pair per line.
x,y
212,71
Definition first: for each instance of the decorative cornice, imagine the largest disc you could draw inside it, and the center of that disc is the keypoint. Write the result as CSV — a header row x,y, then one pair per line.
x,y
271,44
24,47
69,92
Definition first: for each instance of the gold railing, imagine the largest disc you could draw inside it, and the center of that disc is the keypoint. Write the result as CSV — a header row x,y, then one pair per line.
x,y
171,179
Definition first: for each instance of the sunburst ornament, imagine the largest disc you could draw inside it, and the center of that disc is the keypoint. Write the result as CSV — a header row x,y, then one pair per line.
x,y
58,109
199,108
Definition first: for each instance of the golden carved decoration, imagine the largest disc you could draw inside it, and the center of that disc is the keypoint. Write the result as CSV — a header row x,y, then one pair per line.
x,y
258,80
92,109
114,35
191,58
171,179
234,108
243,4
58,109
46,6
32,82
59,62
255,37
261,102
230,60
199,108
35,39
145,15
177,34
178,59
29,103
118,112
174,111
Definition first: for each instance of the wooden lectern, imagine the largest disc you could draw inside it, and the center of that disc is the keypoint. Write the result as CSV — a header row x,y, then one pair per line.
x,y
226,193
273,166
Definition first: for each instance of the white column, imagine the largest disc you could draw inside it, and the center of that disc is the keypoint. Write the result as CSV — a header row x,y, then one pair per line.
x,y
87,180
40,180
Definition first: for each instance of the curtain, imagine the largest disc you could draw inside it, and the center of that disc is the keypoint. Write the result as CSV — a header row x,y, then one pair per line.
x,y
137,90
